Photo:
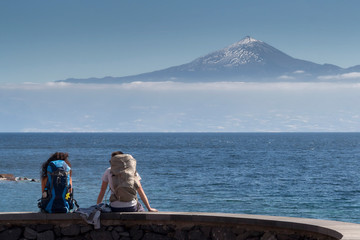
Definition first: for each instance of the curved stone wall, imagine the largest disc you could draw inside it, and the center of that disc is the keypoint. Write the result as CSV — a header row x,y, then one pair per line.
x,y
172,225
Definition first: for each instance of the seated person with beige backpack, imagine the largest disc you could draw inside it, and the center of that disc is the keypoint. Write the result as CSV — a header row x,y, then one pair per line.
x,y
124,183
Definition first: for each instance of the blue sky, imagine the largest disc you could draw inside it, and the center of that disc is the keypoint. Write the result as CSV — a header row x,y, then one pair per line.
x,y
44,41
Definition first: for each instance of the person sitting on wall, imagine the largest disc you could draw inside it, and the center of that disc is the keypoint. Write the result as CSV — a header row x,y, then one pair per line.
x,y
124,183
56,185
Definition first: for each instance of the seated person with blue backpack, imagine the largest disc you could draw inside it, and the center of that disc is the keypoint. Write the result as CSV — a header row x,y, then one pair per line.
x,y
56,185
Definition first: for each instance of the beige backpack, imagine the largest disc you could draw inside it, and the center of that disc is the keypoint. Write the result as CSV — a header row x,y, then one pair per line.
x,y
125,181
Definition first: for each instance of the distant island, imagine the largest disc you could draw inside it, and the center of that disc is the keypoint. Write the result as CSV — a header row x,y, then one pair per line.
x,y
248,60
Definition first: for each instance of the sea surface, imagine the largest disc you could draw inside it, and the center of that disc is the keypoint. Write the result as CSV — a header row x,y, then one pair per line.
x,y
311,175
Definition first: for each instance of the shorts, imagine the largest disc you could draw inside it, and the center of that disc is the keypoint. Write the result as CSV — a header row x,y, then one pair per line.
x,y
137,208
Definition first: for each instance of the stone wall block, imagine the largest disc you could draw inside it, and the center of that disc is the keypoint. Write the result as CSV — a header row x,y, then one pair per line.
x,y
223,234
238,231
268,236
103,235
87,236
2,228
48,235
57,231
44,227
136,233
124,234
146,227
72,230
242,236
181,235
30,233
85,229
125,238
11,234
119,229
287,237
155,236
196,234
161,229
256,235
73,238
115,235
206,230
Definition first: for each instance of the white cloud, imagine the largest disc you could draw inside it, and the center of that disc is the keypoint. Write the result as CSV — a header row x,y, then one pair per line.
x,y
286,77
178,86
352,75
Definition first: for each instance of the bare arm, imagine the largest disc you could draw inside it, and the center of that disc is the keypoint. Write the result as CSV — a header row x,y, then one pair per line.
x,y
71,189
43,184
102,192
144,199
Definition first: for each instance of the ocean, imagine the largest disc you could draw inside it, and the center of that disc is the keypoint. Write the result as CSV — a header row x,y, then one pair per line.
x,y
310,175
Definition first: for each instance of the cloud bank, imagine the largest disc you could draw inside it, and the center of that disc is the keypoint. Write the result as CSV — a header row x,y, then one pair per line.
x,y
180,107
345,76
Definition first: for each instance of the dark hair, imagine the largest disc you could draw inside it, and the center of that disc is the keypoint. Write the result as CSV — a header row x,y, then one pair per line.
x,y
53,157
116,153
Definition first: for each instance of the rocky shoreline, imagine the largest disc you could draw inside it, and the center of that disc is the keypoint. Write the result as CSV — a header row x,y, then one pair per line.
x,y
11,177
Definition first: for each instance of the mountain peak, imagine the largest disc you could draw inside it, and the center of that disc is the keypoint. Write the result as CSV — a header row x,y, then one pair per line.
x,y
247,40
246,60
237,54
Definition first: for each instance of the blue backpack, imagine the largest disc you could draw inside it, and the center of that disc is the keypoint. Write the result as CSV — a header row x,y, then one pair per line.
x,y
57,197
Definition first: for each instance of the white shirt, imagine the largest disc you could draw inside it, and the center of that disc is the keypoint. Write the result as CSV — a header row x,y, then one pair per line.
x,y
117,204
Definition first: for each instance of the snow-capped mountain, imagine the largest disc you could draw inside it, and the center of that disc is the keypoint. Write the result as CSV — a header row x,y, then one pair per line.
x,y
246,60
246,51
